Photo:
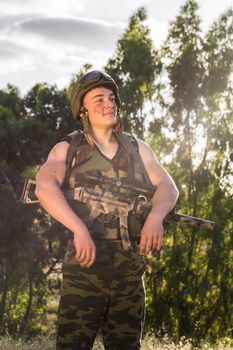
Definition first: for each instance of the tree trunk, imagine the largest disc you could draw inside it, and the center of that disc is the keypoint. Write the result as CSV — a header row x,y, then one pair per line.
x,y
4,291
29,305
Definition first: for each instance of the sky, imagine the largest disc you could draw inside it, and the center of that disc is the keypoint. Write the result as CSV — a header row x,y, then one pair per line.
x,y
49,40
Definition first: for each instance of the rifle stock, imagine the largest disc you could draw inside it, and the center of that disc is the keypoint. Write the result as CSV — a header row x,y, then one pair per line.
x,y
27,196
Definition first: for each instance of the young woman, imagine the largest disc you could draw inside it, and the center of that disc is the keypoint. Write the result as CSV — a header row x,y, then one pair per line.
x,y
103,268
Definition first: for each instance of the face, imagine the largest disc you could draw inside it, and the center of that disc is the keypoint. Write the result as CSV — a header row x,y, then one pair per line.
x,y
101,105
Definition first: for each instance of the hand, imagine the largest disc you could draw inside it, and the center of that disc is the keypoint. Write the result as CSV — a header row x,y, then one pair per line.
x,y
85,248
151,234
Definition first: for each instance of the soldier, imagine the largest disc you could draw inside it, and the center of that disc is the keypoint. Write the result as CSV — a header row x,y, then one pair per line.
x,y
102,285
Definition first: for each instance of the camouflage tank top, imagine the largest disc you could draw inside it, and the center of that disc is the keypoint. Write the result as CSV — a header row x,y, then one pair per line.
x,y
121,169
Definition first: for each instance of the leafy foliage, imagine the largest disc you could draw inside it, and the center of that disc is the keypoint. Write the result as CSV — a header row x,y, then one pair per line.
x,y
30,126
194,298
134,68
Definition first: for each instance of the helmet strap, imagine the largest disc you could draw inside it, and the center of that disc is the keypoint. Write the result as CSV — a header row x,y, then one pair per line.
x,y
84,118
85,122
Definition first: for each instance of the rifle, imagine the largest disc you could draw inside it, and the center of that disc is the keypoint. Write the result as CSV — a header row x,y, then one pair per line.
x,y
102,201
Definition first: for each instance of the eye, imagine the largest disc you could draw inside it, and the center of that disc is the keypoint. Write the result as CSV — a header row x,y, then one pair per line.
x,y
99,100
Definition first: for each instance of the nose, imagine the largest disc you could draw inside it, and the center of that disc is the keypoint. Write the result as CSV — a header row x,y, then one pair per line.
x,y
110,103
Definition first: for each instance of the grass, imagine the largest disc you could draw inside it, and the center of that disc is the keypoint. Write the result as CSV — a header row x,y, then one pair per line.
x,y
149,343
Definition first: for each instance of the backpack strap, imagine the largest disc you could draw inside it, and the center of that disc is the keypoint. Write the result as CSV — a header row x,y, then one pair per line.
x,y
124,139
74,140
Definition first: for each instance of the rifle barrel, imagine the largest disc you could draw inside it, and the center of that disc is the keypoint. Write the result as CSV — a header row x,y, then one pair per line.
x,y
190,220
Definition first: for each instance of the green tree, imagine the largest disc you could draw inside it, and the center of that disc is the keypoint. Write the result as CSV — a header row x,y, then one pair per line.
x,y
134,67
194,293
10,99
29,127
49,105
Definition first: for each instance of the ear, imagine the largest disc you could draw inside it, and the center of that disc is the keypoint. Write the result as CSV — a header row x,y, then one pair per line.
x,y
83,112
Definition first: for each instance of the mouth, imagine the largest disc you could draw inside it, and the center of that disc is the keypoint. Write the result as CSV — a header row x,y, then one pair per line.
x,y
110,114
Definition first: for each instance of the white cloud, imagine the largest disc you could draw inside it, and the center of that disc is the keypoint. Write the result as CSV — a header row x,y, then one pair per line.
x,y
49,40
54,7
52,47
64,29
72,30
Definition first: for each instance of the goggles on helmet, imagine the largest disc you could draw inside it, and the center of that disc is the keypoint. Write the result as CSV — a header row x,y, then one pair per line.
x,y
93,77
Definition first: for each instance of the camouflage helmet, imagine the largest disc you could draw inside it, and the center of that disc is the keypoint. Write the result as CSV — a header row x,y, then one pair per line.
x,y
87,82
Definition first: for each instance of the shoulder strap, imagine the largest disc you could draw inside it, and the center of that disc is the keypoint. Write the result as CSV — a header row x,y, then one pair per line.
x,y
124,139
74,140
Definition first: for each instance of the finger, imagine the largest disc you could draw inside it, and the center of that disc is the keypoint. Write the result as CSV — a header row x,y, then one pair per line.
x,y
160,243
155,242
92,257
81,256
86,258
142,245
148,246
78,252
78,249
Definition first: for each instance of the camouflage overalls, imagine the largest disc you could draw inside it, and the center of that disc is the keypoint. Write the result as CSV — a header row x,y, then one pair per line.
x,y
110,294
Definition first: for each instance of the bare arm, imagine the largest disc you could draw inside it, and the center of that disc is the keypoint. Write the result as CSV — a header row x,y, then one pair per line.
x,y
163,200
48,190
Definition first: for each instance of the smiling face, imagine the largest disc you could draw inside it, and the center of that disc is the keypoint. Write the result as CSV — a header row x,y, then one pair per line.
x,y
101,105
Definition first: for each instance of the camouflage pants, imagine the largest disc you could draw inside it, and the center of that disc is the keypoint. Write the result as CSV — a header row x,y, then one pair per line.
x,y
108,296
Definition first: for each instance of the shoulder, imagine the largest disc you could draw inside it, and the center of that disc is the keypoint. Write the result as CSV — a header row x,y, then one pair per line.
x,y
141,145
69,142
127,138
59,152
75,136
145,150
155,170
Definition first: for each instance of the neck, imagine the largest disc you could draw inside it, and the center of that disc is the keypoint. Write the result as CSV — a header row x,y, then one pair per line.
x,y
102,137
